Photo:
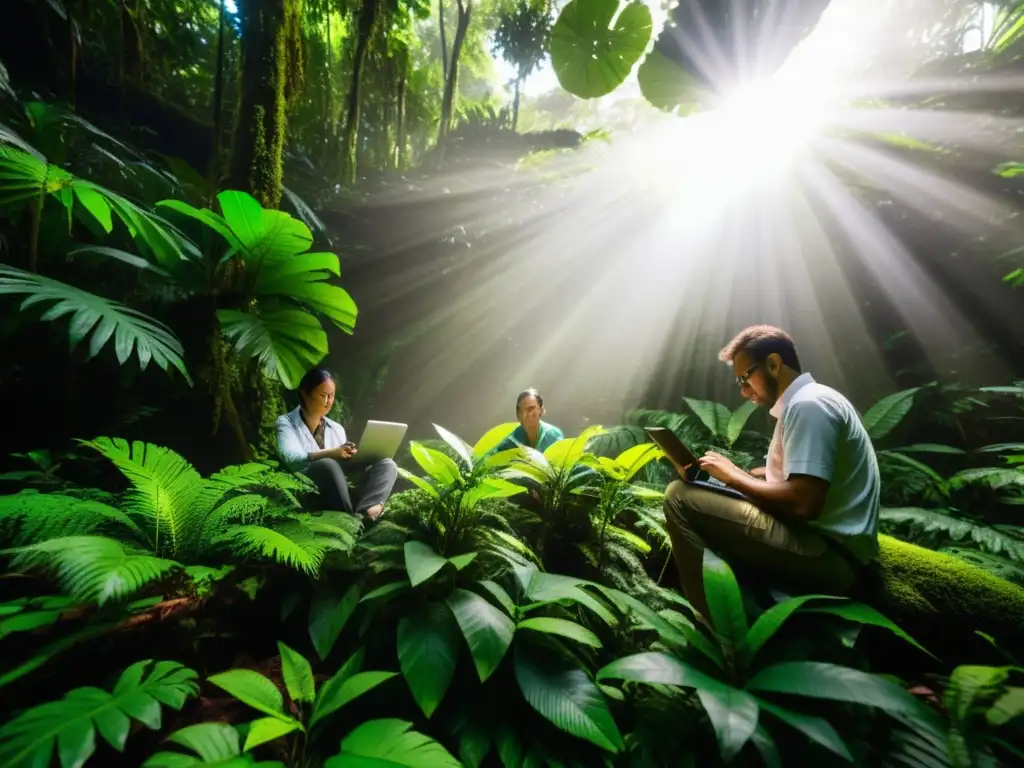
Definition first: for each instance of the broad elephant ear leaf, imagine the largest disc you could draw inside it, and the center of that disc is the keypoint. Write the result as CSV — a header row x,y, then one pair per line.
x,y
667,86
592,56
286,342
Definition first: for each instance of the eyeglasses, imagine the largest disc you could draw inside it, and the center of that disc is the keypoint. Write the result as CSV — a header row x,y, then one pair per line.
x,y
743,380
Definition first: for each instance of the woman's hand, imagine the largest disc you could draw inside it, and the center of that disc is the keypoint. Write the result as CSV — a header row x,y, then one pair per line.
x,y
346,452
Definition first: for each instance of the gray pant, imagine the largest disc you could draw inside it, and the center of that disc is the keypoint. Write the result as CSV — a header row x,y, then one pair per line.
x,y
375,482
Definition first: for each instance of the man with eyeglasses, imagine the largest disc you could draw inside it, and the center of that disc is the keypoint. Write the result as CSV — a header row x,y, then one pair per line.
x,y
812,515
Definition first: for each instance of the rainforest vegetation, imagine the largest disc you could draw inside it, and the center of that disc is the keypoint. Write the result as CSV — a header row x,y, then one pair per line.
x,y
202,199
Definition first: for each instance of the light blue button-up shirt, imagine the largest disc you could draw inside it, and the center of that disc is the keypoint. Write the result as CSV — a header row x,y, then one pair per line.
x,y
295,442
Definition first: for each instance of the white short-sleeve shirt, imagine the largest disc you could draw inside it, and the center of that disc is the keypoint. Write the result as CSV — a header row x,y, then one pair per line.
x,y
819,433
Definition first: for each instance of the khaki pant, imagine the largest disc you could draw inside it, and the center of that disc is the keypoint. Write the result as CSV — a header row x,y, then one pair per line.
x,y
735,529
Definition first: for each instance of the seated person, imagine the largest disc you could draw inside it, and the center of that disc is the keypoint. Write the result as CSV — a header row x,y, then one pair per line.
x,y
315,445
812,517
532,431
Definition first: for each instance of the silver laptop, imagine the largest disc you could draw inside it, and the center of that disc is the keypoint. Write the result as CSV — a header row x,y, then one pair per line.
x,y
380,440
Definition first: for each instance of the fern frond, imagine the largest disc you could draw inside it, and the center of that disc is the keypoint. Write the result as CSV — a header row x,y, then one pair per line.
x,y
247,508
254,477
165,490
71,723
338,529
933,525
996,478
29,517
92,568
290,544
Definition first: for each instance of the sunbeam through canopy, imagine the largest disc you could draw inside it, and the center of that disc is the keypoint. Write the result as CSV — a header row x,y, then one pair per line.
x,y
798,179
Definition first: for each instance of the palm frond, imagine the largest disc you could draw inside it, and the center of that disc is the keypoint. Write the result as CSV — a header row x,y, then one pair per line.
x,y
29,517
24,176
70,725
92,568
290,544
98,318
165,490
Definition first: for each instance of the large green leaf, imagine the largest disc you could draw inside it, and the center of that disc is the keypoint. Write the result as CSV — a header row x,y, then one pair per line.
x,y
336,694
658,668
100,319
384,743
268,729
590,55
330,691
562,627
553,587
714,416
865,614
70,724
769,622
428,652
328,615
738,420
286,342
733,713
215,744
487,630
724,600
457,444
252,688
298,675
830,681
440,467
492,438
815,728
422,562
666,85
262,233
564,694
564,454
311,290
884,416
680,634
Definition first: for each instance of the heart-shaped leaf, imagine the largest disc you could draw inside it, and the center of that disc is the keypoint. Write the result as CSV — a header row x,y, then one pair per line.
x,y
590,55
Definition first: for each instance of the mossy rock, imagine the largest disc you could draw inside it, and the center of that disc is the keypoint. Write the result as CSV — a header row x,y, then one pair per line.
x,y
943,592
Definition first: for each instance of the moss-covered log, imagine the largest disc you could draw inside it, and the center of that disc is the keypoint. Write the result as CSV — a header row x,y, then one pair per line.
x,y
939,592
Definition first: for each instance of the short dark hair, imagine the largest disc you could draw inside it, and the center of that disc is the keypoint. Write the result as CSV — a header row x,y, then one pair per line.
x,y
313,378
760,341
531,392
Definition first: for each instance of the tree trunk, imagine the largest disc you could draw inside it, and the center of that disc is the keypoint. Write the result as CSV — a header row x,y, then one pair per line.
x,y
444,40
262,120
400,124
451,83
515,104
218,107
366,21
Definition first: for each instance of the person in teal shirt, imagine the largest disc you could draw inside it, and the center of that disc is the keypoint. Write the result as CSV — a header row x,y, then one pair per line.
x,y
532,431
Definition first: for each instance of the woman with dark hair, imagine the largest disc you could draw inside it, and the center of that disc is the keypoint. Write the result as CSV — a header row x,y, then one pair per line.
x,y
532,430
317,446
